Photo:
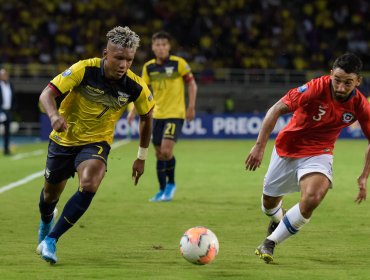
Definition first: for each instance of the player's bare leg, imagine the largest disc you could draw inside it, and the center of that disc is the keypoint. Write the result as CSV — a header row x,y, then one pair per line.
x,y
314,187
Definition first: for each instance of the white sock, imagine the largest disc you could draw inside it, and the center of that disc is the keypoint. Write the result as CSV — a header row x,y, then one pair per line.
x,y
292,222
276,214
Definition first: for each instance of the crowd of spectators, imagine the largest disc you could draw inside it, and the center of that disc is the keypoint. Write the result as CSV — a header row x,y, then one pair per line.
x,y
279,34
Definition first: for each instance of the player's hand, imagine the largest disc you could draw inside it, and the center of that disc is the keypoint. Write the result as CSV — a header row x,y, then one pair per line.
x,y
190,114
254,158
137,170
362,190
58,123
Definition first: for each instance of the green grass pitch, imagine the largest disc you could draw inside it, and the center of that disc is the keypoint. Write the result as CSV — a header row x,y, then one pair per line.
x,y
123,236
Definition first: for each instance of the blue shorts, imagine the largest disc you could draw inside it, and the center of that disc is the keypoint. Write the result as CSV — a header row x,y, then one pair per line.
x,y
62,161
166,129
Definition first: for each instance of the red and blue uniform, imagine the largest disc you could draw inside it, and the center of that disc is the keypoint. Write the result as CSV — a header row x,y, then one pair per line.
x,y
318,119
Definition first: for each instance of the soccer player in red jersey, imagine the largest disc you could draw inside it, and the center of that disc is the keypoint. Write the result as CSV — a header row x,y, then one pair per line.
x,y
303,154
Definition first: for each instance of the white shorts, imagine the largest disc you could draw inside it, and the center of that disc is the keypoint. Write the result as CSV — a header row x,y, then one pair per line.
x,y
284,174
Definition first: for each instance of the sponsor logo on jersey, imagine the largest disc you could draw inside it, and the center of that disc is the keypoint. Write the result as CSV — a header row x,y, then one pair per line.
x,y
347,117
150,97
96,90
67,73
122,98
302,88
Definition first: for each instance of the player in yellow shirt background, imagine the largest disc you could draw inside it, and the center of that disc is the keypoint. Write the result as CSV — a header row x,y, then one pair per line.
x,y
97,93
167,75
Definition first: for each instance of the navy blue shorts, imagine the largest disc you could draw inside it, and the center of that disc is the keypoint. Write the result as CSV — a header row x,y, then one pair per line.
x,y
166,129
62,161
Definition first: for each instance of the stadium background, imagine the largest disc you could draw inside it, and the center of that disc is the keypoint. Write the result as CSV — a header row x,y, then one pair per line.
x,y
254,68
247,50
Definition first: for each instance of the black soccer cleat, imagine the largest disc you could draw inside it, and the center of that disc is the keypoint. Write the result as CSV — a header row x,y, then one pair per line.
x,y
266,250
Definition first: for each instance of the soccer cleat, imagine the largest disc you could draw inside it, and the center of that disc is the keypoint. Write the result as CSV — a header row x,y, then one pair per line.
x,y
272,225
158,196
266,250
44,229
169,192
48,250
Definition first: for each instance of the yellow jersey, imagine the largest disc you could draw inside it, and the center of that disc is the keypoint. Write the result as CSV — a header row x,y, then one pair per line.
x,y
94,104
168,86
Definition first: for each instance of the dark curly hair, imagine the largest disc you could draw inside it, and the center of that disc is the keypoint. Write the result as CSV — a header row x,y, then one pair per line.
x,y
348,62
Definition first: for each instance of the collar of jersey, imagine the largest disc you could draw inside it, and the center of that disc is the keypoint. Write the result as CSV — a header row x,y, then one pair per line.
x,y
164,61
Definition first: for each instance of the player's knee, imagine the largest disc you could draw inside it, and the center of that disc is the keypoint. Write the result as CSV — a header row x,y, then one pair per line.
x,y
51,193
90,184
50,197
158,154
166,154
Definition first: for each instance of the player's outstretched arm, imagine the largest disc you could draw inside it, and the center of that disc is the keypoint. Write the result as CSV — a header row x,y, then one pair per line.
x,y
145,127
254,158
362,180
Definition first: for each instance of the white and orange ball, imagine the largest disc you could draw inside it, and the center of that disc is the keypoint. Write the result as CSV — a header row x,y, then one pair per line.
x,y
199,245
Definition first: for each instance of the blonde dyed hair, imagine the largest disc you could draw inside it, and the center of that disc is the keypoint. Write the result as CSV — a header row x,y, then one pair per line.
x,y
124,37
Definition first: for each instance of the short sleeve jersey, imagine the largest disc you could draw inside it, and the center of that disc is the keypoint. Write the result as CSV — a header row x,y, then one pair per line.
x,y
318,119
93,104
168,86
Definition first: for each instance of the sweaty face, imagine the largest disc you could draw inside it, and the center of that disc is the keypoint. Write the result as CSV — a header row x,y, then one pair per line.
x,y
161,48
117,61
343,83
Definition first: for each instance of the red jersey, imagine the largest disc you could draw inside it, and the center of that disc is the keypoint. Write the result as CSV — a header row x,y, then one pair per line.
x,y
318,119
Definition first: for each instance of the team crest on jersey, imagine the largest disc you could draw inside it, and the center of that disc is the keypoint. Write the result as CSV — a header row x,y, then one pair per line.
x,y
67,73
150,97
347,117
122,98
169,70
303,88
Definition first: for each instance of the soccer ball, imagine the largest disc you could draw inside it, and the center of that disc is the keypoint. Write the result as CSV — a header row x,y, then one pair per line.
x,y
199,245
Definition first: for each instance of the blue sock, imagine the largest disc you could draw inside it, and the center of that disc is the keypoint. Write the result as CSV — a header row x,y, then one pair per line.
x,y
161,174
73,210
170,170
46,209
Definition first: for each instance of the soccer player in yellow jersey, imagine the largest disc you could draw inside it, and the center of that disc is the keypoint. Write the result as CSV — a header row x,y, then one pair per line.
x,y
167,74
97,93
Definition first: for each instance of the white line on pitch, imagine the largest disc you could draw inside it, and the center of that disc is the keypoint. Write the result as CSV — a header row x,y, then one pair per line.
x,y
39,174
119,143
23,181
26,155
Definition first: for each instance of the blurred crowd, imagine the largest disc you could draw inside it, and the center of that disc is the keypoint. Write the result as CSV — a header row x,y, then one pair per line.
x,y
280,34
